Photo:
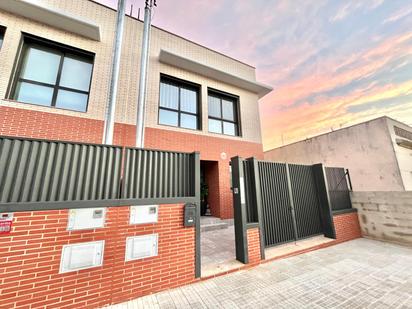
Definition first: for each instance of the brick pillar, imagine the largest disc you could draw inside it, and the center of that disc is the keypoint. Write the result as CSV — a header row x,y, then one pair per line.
x,y
347,226
253,245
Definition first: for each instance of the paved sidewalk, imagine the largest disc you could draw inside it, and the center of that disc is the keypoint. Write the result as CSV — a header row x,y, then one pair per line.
x,y
357,274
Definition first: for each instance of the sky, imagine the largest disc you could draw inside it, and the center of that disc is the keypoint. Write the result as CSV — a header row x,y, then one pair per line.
x,y
331,63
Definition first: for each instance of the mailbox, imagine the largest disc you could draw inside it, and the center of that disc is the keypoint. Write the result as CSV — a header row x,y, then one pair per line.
x,y
190,215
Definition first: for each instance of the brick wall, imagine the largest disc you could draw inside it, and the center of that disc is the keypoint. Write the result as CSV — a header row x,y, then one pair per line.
x,y
347,226
30,259
253,245
36,124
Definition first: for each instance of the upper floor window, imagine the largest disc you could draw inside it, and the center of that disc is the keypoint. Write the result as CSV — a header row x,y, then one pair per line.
x,y
54,75
223,114
179,103
2,31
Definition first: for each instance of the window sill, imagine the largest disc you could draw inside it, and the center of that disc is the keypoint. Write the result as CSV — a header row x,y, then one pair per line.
x,y
45,106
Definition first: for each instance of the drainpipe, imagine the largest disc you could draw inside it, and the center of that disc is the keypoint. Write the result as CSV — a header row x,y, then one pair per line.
x,y
117,51
144,63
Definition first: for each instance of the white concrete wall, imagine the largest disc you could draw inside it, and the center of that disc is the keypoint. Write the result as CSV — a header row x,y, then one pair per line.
x,y
385,216
403,154
365,149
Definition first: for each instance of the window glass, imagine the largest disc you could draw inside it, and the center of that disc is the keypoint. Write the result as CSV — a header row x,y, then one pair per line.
x,y
215,126
188,100
229,128
178,103
223,117
169,96
227,110
53,75
35,94
76,74
41,65
71,100
2,30
188,121
214,107
168,117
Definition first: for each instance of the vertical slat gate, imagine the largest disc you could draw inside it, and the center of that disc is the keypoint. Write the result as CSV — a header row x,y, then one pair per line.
x,y
276,206
306,201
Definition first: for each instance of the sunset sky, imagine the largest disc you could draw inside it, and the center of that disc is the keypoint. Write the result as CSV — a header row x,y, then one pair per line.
x,y
331,63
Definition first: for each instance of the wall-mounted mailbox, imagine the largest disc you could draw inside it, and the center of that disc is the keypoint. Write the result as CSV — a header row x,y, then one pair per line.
x,y
144,214
140,247
81,256
86,218
190,215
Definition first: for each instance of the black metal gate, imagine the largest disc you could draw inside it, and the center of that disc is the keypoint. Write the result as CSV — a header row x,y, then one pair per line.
x,y
305,201
288,201
278,221
290,205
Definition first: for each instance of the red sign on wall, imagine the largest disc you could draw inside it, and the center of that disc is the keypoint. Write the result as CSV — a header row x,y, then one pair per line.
x,y
5,227
6,220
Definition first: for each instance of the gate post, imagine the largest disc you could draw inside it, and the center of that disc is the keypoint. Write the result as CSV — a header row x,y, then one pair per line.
x,y
292,204
258,203
239,204
196,156
324,200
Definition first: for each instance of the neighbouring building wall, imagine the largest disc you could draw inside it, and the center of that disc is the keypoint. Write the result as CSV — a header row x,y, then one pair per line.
x,y
403,153
385,216
365,149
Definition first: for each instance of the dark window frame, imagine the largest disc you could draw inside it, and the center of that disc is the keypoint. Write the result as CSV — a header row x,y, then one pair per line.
x,y
221,95
63,50
181,83
2,35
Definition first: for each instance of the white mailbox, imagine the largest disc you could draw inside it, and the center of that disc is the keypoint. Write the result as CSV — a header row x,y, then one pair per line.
x,y
139,247
81,256
86,218
144,214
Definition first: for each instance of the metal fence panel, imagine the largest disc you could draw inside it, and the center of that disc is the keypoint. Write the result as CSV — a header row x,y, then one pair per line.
x,y
54,171
305,199
338,188
276,203
153,174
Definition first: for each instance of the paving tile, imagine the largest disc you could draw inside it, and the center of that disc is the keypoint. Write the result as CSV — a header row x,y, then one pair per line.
x,y
358,274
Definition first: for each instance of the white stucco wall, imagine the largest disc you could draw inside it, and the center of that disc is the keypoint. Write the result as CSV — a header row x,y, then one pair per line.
x,y
403,154
365,149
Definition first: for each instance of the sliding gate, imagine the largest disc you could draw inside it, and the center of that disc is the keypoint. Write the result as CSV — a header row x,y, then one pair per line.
x,y
288,201
290,206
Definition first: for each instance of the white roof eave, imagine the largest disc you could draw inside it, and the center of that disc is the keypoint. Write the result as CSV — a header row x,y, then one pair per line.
x,y
52,17
196,67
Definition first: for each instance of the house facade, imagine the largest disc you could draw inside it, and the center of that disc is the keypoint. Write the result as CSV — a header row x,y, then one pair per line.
x,y
378,154
55,64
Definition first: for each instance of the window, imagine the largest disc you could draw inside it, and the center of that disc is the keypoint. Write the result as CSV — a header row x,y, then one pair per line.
x,y
2,31
223,115
179,103
53,75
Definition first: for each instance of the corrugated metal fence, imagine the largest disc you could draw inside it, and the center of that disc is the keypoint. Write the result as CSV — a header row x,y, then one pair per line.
x,y
42,174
